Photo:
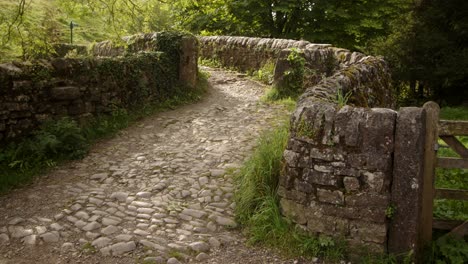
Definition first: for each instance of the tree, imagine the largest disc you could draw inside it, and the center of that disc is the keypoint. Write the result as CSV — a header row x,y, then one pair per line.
x,y
428,52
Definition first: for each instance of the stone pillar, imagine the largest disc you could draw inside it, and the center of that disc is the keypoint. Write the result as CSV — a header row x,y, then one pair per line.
x,y
412,181
188,65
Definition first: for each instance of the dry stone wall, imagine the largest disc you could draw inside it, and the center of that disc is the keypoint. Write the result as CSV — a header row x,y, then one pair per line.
x,y
338,162
32,92
338,165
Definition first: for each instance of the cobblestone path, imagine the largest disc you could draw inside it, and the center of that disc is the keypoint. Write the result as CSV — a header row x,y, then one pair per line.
x,y
157,192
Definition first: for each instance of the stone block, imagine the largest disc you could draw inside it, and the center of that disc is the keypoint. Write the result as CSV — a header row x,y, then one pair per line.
x,y
368,200
296,145
17,106
375,181
24,123
351,172
332,197
321,154
359,248
10,69
288,177
20,114
293,210
291,158
299,197
378,131
351,184
302,186
76,108
304,161
368,232
369,161
370,214
347,123
65,93
323,168
322,178
318,223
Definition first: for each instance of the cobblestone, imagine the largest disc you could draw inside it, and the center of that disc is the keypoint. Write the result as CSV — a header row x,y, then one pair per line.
x,y
160,186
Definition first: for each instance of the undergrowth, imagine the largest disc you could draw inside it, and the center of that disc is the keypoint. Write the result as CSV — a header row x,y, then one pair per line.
x,y
64,139
257,205
209,62
266,73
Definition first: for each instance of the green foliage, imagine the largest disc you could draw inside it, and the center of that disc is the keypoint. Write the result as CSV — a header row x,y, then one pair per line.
x,y
272,94
341,99
390,211
448,249
87,248
349,24
293,79
209,62
305,129
55,141
28,29
428,53
257,206
454,113
266,73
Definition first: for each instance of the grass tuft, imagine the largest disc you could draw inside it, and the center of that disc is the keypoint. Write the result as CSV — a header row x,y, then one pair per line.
x,y
257,205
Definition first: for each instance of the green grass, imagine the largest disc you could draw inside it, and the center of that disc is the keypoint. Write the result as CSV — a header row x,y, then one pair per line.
x,y
265,74
272,96
454,113
214,63
257,206
62,140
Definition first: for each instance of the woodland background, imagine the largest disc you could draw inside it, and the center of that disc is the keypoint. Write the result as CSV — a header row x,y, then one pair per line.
x,y
425,41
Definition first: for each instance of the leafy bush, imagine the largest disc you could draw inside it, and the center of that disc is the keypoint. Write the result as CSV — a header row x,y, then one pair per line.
x,y
450,250
53,141
293,79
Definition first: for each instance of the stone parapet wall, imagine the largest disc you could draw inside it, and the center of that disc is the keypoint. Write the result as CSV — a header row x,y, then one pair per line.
x,y
338,164
181,48
33,92
366,77
338,171
247,54
339,159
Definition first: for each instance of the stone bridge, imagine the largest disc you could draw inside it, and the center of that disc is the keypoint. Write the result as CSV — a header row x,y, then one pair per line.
x,y
161,190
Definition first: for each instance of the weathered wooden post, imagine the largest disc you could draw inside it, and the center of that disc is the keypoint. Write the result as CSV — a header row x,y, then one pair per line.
x,y
430,162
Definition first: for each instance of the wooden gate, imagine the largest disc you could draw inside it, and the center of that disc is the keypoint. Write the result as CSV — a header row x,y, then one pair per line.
x,y
447,131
